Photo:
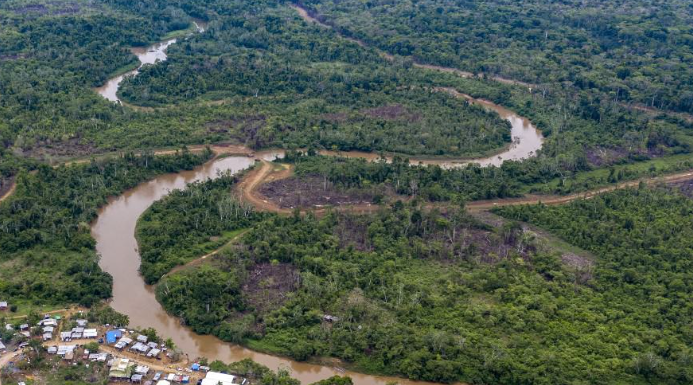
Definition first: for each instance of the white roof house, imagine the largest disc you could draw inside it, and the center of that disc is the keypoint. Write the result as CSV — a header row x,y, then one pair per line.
x,y
2,346
82,323
64,349
48,329
216,378
142,338
90,333
48,322
140,348
142,369
3,305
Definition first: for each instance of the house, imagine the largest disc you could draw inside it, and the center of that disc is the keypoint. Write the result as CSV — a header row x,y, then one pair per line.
x,y
153,345
4,305
90,333
69,356
82,323
122,369
47,336
2,347
154,353
24,327
216,378
48,329
122,343
136,378
142,369
52,350
140,348
9,327
65,336
48,322
64,349
112,336
98,357
143,339
163,382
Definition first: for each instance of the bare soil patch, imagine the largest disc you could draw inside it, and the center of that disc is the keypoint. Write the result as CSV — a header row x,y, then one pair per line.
x,y
311,191
267,285
685,187
6,187
72,148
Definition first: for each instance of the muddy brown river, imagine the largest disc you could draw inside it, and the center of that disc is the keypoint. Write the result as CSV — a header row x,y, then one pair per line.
x,y
114,231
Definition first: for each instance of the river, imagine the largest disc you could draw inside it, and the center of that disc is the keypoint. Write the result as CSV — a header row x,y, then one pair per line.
x,y
114,232
146,55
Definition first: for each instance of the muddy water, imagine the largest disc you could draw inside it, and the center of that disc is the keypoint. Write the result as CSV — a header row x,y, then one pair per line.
x,y
115,241
526,141
146,55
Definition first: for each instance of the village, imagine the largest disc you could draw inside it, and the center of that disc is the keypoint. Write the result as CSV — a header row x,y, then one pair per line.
x,y
68,340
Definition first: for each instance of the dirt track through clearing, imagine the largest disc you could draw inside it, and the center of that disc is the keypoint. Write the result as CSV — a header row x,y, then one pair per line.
x,y
248,188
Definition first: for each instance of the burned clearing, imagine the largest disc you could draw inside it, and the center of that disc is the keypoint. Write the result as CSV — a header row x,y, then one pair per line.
x,y
314,191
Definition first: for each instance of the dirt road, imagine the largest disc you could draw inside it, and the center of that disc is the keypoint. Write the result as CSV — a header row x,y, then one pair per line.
x,y
248,187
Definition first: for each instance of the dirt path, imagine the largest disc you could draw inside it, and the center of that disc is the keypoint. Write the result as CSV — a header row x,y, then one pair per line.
x,y
9,192
201,259
248,187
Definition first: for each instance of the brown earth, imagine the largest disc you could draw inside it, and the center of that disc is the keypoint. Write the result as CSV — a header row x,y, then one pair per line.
x,y
267,285
311,191
7,188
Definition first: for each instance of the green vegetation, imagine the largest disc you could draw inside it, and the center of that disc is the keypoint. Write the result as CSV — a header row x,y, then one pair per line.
x,y
48,254
635,52
642,238
415,293
190,223
257,373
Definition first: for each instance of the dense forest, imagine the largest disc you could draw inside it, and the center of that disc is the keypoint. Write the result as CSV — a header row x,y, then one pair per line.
x,y
430,294
442,297
190,223
633,52
48,254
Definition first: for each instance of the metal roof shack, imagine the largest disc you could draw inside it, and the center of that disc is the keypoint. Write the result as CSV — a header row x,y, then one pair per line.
x,y
122,369
154,353
4,305
216,378
122,343
82,323
140,348
48,322
64,349
142,338
90,333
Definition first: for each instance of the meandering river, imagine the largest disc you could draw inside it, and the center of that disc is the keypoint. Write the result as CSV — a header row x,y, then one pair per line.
x,y
114,231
